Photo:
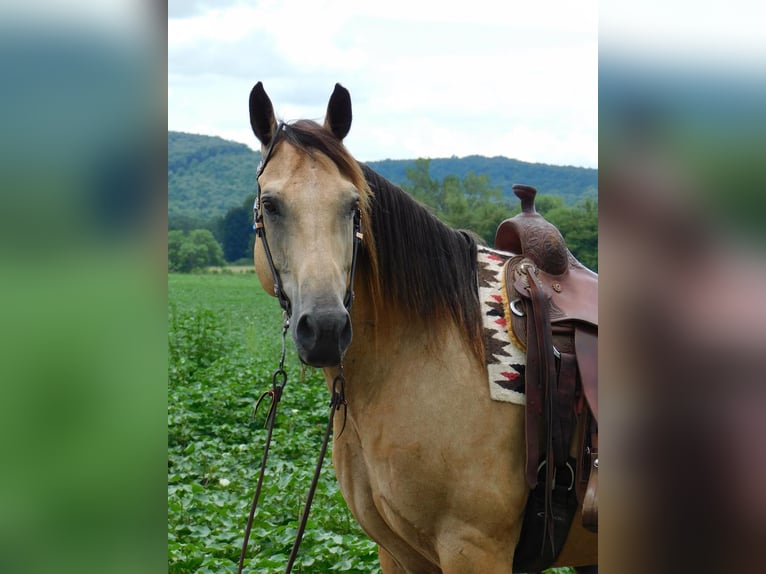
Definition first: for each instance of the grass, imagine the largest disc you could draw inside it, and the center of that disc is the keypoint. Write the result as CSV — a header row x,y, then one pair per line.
x,y
224,343
223,346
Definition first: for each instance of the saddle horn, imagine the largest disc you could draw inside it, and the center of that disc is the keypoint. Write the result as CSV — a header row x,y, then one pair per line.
x,y
531,234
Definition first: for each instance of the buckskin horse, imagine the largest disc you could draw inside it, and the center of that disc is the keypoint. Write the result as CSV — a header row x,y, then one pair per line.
x,y
432,468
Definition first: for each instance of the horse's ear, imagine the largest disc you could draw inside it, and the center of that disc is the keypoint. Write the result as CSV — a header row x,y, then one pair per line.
x,y
262,118
338,118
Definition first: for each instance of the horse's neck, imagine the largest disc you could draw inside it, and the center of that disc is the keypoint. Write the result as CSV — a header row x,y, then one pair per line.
x,y
392,350
380,335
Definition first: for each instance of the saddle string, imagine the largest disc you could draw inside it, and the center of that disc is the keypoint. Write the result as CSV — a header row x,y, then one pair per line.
x,y
541,365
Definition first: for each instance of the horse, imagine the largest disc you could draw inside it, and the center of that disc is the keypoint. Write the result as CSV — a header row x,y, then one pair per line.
x,y
430,466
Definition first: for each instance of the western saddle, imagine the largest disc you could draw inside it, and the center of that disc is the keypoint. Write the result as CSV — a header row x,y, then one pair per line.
x,y
554,312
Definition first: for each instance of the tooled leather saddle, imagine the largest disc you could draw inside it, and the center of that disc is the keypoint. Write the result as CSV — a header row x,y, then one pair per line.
x,y
554,312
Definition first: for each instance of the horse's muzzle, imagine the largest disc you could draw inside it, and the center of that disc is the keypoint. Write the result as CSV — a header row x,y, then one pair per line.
x,y
322,337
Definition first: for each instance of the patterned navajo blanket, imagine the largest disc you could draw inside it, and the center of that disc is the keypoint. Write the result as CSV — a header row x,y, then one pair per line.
x,y
506,361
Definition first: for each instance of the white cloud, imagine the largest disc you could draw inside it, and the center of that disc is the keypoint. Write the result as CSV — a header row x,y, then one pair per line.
x,y
424,81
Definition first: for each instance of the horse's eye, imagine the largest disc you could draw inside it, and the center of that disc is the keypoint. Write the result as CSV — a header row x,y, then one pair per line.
x,y
269,206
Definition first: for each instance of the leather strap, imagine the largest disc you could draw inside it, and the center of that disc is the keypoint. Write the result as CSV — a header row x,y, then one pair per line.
x,y
586,349
260,230
337,402
564,419
540,365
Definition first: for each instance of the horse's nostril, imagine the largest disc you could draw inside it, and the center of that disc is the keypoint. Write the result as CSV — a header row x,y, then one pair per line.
x,y
322,338
306,331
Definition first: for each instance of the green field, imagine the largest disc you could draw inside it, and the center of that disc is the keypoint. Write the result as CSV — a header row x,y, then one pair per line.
x,y
223,346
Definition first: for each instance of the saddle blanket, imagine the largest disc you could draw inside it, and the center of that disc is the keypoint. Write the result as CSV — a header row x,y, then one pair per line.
x,y
506,361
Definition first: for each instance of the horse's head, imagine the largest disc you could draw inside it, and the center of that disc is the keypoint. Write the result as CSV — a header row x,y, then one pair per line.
x,y
311,195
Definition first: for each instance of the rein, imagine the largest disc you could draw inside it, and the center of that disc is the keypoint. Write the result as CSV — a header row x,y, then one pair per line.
x,y
279,378
338,400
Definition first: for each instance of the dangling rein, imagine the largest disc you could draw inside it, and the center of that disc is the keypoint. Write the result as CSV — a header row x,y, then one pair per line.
x,y
338,400
279,378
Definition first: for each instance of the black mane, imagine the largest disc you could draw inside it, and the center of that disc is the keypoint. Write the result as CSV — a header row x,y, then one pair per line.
x,y
425,268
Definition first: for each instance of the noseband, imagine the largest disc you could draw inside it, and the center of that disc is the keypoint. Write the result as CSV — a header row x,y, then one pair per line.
x,y
260,232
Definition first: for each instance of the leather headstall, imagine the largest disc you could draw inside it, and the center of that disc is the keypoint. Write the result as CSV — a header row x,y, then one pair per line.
x,y
260,232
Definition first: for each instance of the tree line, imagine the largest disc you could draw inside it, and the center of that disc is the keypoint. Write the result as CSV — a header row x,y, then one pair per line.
x,y
207,175
472,203
468,203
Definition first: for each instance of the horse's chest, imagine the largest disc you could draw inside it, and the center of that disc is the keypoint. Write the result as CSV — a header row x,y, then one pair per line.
x,y
390,489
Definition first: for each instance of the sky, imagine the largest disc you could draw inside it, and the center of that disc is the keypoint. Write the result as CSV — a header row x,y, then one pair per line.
x,y
427,79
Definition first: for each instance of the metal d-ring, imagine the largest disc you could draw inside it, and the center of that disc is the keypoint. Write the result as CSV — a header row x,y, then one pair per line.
x,y
515,309
555,472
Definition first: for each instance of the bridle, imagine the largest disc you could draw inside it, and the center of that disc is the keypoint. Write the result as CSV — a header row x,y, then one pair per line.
x,y
260,232
279,378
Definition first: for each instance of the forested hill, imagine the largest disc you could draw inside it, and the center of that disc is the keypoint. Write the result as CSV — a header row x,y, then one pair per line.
x,y
208,175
